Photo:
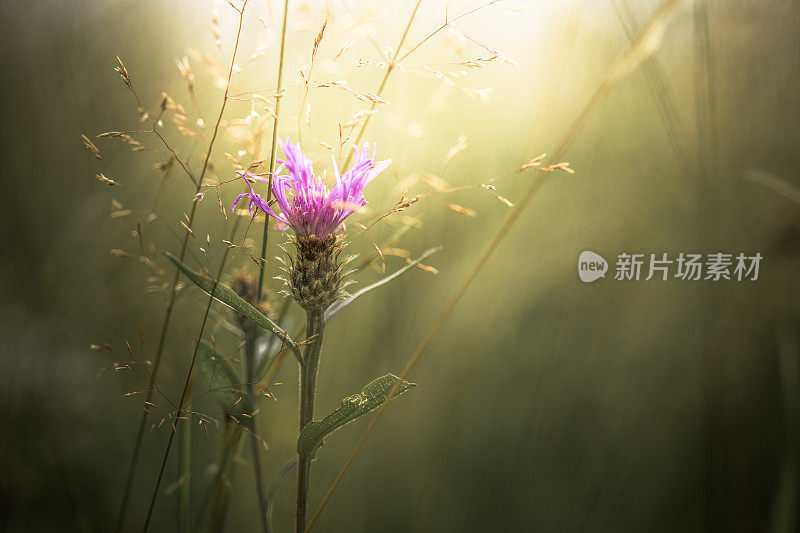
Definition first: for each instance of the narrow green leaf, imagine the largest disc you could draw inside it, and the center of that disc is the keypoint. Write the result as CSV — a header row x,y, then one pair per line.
x,y
372,397
218,373
335,308
225,295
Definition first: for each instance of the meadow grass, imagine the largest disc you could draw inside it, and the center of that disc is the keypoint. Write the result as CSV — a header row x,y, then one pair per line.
x,y
377,231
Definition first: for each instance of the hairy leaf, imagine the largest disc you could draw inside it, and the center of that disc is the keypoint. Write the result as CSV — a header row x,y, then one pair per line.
x,y
225,294
372,397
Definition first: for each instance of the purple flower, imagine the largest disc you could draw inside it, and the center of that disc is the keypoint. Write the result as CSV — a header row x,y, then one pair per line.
x,y
312,209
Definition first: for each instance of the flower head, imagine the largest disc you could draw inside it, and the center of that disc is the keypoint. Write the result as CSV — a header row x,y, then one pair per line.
x,y
306,204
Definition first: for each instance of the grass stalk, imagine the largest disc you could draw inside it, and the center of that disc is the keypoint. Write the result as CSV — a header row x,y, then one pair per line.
x,y
221,490
250,371
541,128
659,85
184,474
273,148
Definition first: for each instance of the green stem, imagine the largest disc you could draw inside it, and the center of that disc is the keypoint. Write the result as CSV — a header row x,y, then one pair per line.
x,y
308,392
220,492
250,362
184,472
274,144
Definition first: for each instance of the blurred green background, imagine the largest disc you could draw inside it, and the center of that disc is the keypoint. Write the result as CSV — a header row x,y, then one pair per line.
x,y
544,404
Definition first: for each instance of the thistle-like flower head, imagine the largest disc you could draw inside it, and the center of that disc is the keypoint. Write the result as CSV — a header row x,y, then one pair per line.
x,y
306,204
316,214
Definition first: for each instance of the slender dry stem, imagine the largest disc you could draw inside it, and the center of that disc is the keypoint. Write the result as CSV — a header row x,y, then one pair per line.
x,y
389,68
